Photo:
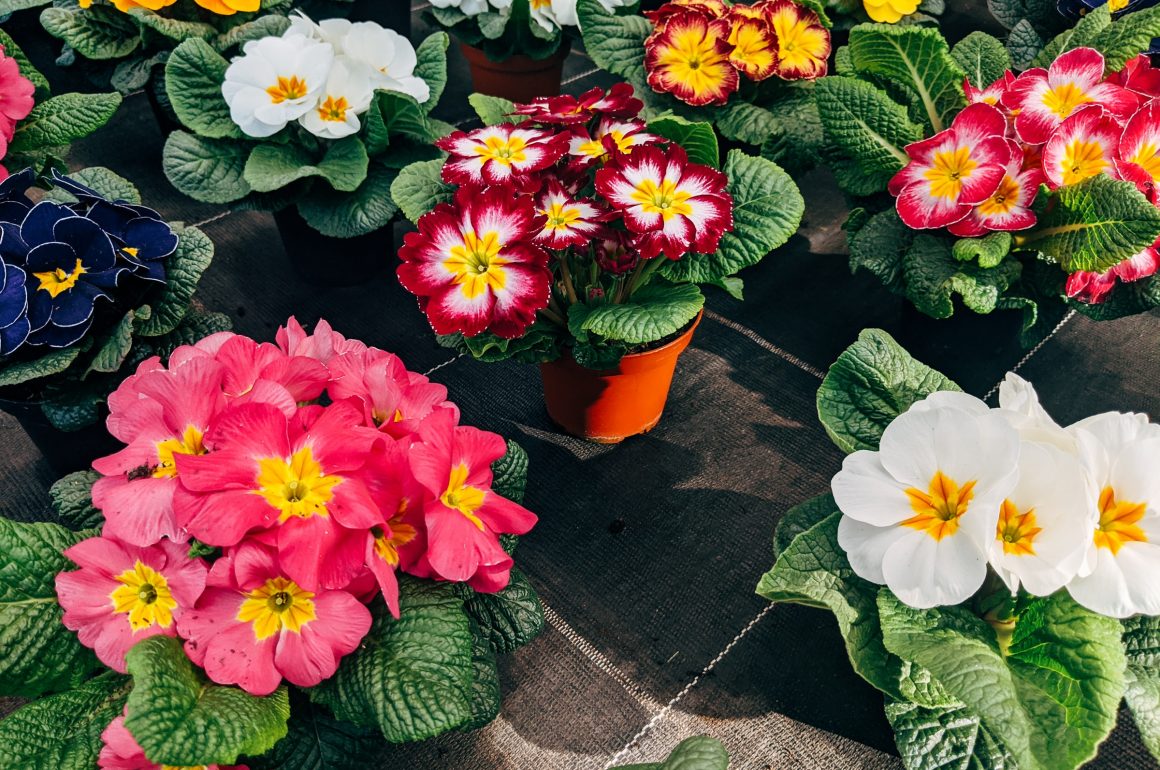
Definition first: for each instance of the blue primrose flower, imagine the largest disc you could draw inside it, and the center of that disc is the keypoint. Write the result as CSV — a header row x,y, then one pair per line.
x,y
14,323
14,202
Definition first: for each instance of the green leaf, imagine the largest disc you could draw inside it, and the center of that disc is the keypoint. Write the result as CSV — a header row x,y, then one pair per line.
x,y
944,738
420,188
317,741
698,139
8,7
797,144
916,59
800,518
510,473
271,167
350,214
697,753
115,345
651,314
174,29
493,109
47,365
208,170
615,43
767,209
1084,33
403,116
1023,45
271,25
879,247
1142,647
23,63
983,57
1126,37
988,251
412,677
867,124
872,382
180,718
431,66
193,81
934,277
107,183
37,653
510,618
194,326
486,696
1094,225
745,122
183,273
63,119
97,33
62,731
72,500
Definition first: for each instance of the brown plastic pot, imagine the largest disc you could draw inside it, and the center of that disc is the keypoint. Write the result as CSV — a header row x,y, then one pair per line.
x,y
517,78
608,406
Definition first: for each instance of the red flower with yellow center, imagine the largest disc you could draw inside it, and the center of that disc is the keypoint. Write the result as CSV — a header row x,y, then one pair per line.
x,y
803,42
618,136
689,58
1009,207
754,44
710,9
568,221
1084,145
499,154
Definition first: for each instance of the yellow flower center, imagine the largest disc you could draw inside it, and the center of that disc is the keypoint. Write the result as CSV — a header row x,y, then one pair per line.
x,y
938,510
131,250
287,89
800,44
278,605
752,48
387,546
57,282
664,199
1119,522
461,497
296,487
144,596
334,110
1082,159
1148,158
1016,530
1005,198
1117,5
501,150
190,443
476,264
1063,100
692,58
594,148
560,217
949,169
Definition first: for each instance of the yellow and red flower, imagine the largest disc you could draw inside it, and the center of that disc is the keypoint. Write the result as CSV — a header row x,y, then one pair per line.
x,y
672,206
1083,146
992,94
689,57
755,44
710,9
803,42
1009,207
499,154
474,265
954,170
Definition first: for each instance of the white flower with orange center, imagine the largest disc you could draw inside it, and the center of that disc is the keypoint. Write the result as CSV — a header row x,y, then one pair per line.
x,y
499,154
1083,146
390,57
277,80
1121,575
347,95
920,514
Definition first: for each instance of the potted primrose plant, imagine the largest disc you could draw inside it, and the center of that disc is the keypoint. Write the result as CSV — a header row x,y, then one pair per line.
x,y
570,233
515,48
1002,599
313,125
280,572
94,283
998,193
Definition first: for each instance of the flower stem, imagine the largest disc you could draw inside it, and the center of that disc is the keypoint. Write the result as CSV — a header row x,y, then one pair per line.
x,y
553,316
566,274
643,274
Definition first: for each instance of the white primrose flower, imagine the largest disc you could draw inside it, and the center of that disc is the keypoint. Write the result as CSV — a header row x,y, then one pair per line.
x,y
475,7
562,13
1121,574
277,80
1019,403
332,31
389,56
347,95
920,514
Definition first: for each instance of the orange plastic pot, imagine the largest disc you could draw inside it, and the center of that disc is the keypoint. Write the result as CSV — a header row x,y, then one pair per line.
x,y
517,78
608,406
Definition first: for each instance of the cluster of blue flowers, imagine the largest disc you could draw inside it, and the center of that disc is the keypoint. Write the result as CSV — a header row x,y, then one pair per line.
x,y
58,261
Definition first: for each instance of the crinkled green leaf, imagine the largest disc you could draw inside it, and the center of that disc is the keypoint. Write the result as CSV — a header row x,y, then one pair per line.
x,y
318,741
99,33
988,250
271,25
12,6
800,518
1142,647
872,382
486,696
745,122
944,738
63,119
193,82
412,677
916,59
510,473
879,247
63,731
180,718
1127,37
403,116
53,362
271,167
72,500
71,406
109,184
1084,33
37,653
651,314
510,618
431,66
183,269
1023,45
934,278
615,42
698,753
172,28
350,214
114,346
208,170
493,109
133,74
420,188
797,144
867,124
1094,225
767,210
23,63
982,57
698,139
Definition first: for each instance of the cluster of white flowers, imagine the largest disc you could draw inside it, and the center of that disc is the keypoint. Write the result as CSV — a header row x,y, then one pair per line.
x,y
955,486
549,14
322,75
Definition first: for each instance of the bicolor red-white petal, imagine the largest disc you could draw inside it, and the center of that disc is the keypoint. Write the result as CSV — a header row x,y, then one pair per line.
x,y
1083,146
1009,207
568,220
499,154
1094,288
1138,153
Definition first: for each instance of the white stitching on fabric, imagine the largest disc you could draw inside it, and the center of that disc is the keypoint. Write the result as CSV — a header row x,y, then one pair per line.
x,y
581,76
218,216
437,367
753,336
1027,356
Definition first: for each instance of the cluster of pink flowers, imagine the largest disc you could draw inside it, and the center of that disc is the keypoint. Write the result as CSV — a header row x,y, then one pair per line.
x,y
319,466
15,102
1055,127
576,173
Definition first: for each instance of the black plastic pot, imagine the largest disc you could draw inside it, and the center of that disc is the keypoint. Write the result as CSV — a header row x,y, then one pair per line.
x,y
163,112
64,452
392,14
325,261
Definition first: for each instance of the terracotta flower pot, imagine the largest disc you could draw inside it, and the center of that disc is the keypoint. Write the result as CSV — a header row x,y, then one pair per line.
x,y
64,452
325,261
608,406
517,78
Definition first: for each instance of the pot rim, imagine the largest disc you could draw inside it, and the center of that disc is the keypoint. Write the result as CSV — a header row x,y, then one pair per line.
x,y
680,342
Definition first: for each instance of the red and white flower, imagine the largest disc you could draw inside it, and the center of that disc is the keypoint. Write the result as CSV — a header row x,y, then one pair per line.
x,y
672,206
499,154
954,170
710,9
1083,146
1093,288
568,110
689,57
1139,77
569,221
610,135
992,94
1043,99
1009,207
1138,153
474,265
